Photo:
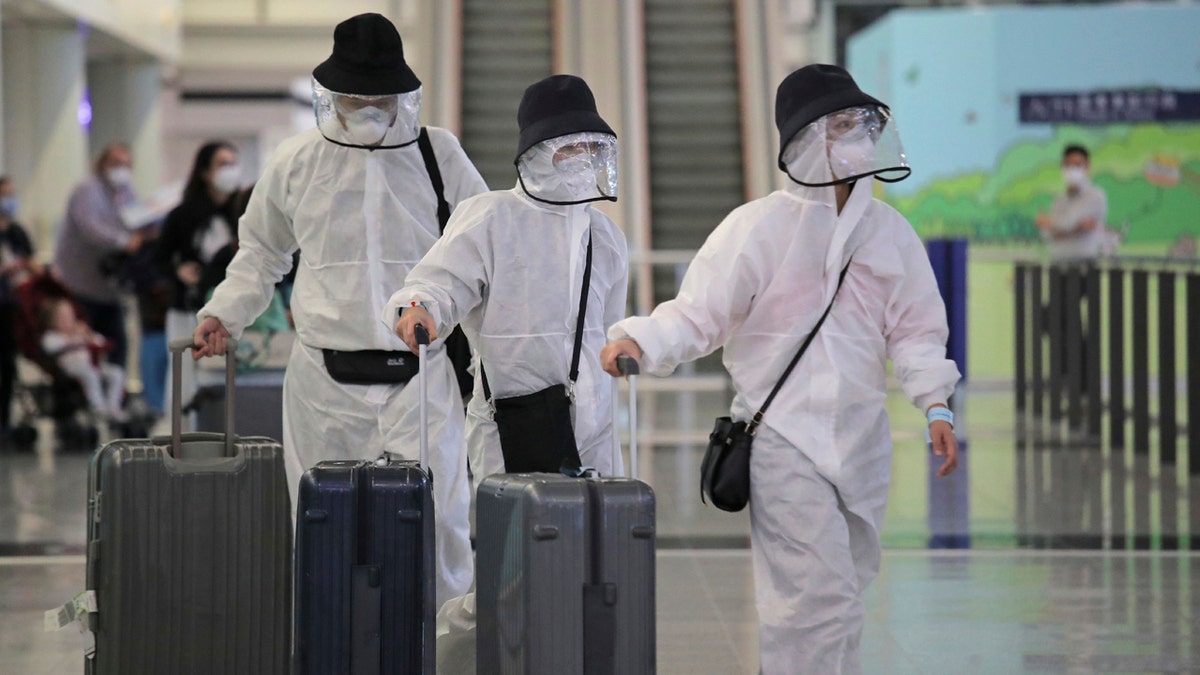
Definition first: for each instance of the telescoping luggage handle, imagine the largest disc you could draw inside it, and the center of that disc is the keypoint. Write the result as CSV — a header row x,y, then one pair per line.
x,y
630,368
178,347
422,336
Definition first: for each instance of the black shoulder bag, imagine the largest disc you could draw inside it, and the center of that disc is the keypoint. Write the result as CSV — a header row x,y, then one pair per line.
x,y
725,472
536,434
457,347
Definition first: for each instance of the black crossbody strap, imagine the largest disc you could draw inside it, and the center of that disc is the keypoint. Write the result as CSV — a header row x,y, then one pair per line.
x,y
758,416
435,177
583,297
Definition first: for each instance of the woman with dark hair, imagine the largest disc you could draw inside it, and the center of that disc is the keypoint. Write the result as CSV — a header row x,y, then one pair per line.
x,y
202,224
16,261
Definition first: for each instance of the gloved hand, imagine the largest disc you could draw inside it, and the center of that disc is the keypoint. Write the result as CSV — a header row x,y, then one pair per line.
x,y
405,327
610,352
210,338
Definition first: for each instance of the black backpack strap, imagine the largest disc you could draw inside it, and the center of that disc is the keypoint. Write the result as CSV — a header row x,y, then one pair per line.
x,y
435,177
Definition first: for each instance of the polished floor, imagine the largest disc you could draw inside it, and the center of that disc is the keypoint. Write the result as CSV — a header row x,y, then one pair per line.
x,y
1024,561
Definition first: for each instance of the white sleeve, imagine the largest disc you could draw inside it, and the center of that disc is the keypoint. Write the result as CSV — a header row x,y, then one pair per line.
x,y
614,304
1101,212
459,176
450,279
713,301
916,331
266,242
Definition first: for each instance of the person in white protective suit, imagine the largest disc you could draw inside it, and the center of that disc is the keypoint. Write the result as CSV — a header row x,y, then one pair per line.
x,y
511,269
821,460
355,197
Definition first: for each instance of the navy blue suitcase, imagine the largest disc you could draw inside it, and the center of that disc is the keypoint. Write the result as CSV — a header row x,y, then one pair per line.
x,y
365,602
365,569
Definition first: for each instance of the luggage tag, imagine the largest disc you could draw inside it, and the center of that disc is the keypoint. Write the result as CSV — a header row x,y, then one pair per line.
x,y
74,610
581,472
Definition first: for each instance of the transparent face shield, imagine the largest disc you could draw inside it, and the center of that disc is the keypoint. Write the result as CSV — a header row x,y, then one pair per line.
x,y
571,169
846,145
373,122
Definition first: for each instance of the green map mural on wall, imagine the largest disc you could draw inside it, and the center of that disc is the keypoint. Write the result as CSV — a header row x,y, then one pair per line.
x,y
1150,172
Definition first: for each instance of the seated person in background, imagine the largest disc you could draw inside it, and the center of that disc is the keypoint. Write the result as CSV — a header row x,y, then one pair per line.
x,y
73,345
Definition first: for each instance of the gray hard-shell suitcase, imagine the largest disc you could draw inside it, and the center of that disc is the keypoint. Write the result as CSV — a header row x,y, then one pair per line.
x,y
189,553
565,573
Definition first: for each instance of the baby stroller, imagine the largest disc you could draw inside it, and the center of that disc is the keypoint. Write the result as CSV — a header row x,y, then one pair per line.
x,y
62,398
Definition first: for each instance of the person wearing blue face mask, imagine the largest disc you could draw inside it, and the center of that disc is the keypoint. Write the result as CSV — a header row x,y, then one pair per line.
x,y
16,261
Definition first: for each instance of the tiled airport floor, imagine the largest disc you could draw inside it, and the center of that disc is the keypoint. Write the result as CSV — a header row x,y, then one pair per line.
x,y
996,612
1000,607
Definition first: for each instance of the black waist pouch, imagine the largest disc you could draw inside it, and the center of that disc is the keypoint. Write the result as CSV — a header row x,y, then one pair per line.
x,y
372,366
536,434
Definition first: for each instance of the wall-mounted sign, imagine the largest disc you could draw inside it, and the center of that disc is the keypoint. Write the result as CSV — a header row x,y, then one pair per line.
x,y
1111,107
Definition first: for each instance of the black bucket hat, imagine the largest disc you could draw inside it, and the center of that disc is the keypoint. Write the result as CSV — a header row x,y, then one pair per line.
x,y
367,59
557,106
811,93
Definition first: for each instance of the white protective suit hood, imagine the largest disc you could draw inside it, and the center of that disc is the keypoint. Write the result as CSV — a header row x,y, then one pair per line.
x,y
846,145
370,122
571,169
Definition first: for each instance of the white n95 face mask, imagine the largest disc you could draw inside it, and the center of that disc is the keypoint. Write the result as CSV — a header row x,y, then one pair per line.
x,y
852,157
368,125
577,175
1074,175
226,178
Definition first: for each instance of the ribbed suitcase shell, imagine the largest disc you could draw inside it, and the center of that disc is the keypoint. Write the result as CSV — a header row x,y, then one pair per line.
x,y
353,514
536,553
190,560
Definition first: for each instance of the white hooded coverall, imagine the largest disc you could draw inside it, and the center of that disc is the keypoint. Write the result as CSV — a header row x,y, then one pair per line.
x,y
821,461
509,270
361,219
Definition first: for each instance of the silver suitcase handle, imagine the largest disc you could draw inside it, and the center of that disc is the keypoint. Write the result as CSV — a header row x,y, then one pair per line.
x,y
177,348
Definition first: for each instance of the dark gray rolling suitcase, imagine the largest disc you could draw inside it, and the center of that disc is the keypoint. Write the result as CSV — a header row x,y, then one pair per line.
x,y
189,553
365,568
565,573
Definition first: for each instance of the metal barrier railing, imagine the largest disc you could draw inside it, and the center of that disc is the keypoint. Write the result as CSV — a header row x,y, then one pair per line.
x,y
1108,359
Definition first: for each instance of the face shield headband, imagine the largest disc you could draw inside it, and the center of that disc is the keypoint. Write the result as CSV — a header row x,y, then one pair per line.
x,y
571,169
844,146
370,122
